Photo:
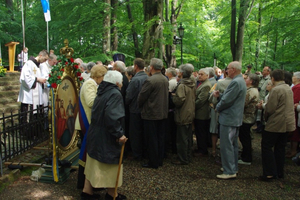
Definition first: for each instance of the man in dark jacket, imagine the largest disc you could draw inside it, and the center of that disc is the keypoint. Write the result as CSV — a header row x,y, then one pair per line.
x,y
136,131
153,99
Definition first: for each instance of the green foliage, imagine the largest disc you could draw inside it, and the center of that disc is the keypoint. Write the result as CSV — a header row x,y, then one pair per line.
x,y
2,70
206,23
56,74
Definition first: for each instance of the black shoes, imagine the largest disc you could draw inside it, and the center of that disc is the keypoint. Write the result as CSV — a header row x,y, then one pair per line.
x,y
149,166
86,196
267,178
178,162
119,197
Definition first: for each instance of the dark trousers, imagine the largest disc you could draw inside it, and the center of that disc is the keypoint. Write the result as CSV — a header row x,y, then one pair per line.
x,y
170,138
80,177
273,162
184,143
155,133
246,141
137,137
202,132
27,111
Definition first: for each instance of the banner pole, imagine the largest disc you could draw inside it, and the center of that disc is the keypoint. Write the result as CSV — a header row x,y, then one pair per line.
x,y
47,37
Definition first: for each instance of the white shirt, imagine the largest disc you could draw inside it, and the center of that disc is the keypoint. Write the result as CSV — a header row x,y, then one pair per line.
x,y
45,71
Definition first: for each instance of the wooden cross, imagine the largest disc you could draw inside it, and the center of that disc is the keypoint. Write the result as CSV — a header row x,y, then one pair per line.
x,y
34,70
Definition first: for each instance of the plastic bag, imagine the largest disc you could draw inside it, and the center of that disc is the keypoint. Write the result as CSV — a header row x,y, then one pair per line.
x,y
36,175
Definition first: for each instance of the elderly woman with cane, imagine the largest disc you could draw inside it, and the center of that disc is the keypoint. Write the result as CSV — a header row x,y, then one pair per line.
x,y
104,139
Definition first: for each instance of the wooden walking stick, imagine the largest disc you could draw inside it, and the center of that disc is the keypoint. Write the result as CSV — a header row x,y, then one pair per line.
x,y
119,169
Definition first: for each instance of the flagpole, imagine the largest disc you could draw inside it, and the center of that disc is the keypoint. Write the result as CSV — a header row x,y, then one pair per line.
x,y
23,24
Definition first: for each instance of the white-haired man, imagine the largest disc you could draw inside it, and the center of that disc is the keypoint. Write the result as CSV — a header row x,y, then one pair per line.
x,y
231,110
171,74
202,113
45,71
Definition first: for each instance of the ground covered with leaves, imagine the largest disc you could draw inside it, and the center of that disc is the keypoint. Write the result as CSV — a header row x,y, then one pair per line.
x,y
194,181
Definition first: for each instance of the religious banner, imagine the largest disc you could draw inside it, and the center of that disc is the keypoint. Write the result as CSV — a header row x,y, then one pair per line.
x,y
65,80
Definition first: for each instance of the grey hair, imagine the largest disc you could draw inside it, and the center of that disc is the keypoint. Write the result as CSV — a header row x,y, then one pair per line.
x,y
205,70
186,69
236,65
297,75
211,71
113,77
52,56
120,66
83,65
78,61
172,71
130,71
156,63
90,65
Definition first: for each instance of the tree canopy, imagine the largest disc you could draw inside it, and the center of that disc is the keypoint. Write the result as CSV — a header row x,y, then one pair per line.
x,y
98,29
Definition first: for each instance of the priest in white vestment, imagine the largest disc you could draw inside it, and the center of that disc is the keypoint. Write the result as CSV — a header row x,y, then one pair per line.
x,y
31,80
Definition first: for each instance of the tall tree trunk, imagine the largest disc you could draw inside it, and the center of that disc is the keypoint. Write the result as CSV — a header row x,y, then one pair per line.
x,y
134,33
152,9
267,45
169,56
240,31
106,25
114,42
233,27
9,5
258,37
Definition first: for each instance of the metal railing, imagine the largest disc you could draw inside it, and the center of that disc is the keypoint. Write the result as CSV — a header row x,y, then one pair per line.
x,y
22,131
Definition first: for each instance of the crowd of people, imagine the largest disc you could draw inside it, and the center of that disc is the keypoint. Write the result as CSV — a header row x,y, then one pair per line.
x,y
157,110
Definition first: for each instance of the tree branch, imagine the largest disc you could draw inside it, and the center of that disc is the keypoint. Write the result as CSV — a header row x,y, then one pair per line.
x,y
251,7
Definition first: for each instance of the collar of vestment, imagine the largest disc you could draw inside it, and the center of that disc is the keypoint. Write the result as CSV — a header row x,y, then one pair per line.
x,y
35,61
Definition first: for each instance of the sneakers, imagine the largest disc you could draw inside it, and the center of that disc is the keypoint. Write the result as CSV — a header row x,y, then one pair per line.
x,y
226,176
244,163
222,170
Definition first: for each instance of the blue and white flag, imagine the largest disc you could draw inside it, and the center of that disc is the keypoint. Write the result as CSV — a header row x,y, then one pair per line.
x,y
46,8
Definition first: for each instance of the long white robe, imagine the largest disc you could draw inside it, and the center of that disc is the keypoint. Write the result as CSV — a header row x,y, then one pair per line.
x,y
45,70
27,94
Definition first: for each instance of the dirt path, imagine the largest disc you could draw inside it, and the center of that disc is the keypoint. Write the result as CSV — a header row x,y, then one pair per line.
x,y
194,181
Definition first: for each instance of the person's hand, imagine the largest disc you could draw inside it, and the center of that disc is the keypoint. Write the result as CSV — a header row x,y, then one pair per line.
x,y
295,105
123,139
41,80
216,93
259,106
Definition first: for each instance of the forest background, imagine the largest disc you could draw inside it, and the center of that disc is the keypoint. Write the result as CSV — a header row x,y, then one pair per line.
x,y
256,32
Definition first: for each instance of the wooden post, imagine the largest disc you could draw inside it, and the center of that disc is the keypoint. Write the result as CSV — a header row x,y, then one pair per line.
x,y
11,55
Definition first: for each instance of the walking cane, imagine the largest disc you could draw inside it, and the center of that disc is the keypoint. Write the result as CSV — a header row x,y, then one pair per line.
x,y
120,163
